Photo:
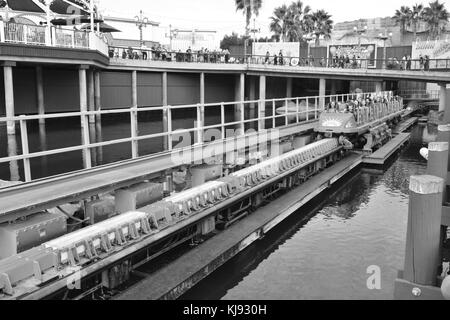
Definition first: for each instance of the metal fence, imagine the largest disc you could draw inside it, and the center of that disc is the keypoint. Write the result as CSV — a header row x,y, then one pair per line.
x,y
22,33
71,38
267,114
152,54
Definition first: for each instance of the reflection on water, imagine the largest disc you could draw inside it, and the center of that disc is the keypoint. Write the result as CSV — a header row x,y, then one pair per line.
x,y
323,251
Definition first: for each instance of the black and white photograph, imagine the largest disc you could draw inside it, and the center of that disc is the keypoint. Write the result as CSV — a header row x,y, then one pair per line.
x,y
226,155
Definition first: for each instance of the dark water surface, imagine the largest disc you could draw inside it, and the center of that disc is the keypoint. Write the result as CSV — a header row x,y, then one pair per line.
x,y
323,251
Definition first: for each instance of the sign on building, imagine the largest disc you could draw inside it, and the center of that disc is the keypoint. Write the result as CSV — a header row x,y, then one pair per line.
x,y
196,40
289,49
363,51
439,49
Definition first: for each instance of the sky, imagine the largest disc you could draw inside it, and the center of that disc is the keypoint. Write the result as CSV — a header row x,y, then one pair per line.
x,y
221,15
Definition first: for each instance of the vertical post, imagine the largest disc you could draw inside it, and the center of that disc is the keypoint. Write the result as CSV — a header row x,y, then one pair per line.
x,y
307,109
274,119
202,106
133,115
423,231
169,128
84,118
438,161
322,92
199,124
442,96
252,97
40,93
239,97
165,103
262,103
222,119
289,87
97,94
25,149
2,32
91,95
9,97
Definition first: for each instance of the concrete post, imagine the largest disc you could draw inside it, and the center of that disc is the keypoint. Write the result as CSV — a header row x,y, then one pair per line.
x,y
424,228
262,104
85,135
9,98
133,119
322,92
438,161
378,86
40,93
201,114
91,94
165,113
83,88
252,96
97,94
289,87
239,97
442,96
444,136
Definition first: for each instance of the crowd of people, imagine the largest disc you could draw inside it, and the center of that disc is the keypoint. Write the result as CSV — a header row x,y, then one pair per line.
x,y
366,108
161,53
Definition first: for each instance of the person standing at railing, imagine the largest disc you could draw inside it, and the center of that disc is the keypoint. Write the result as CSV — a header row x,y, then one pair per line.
x,y
189,55
404,62
421,62
408,62
426,63
267,59
281,58
144,52
227,55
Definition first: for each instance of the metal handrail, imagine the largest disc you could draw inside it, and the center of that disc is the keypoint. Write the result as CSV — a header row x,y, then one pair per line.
x,y
314,105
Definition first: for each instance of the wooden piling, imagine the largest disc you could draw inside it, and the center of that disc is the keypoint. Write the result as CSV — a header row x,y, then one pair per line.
x,y
423,232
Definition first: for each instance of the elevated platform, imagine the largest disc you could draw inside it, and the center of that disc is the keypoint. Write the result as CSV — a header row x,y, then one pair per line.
x,y
176,278
405,125
380,156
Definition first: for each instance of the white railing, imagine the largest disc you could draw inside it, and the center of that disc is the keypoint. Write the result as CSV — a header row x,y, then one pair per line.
x,y
52,36
282,113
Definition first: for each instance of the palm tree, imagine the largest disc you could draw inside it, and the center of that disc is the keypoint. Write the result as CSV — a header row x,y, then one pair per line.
x,y
416,17
436,17
289,23
299,20
322,24
280,22
249,8
402,17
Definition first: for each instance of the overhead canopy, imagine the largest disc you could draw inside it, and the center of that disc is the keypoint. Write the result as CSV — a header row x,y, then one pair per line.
x,y
104,27
73,21
63,7
24,5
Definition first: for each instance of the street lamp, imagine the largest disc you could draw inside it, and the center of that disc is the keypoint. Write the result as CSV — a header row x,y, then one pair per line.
x,y
384,37
360,31
172,34
141,22
308,38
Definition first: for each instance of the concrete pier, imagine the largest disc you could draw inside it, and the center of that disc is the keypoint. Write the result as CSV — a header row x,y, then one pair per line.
x,y
9,96
40,93
262,105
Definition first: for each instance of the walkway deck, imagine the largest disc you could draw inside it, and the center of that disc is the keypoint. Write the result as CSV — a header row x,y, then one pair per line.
x,y
405,125
380,156
182,274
